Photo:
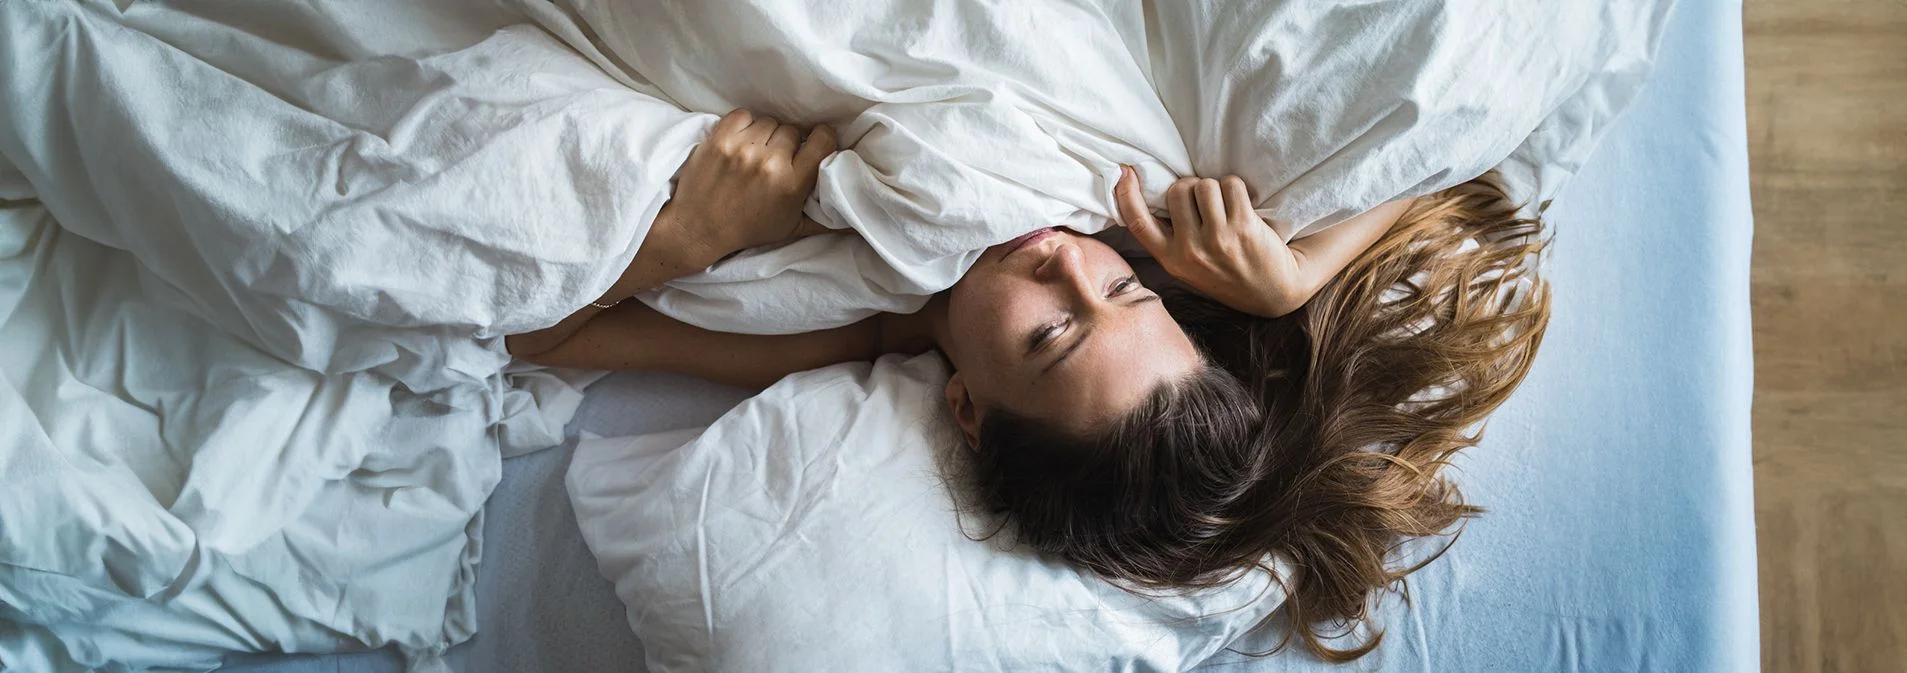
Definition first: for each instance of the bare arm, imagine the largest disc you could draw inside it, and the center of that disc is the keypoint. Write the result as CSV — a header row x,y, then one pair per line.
x,y
634,336
1321,256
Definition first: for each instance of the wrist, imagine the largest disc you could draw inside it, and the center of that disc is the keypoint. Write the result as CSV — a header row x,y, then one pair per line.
x,y
684,247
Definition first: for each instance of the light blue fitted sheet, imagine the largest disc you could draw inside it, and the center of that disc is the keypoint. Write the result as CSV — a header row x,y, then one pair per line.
x,y
1620,535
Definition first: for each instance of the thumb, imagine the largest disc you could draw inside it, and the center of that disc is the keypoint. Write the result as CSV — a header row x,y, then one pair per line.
x,y
820,143
1135,215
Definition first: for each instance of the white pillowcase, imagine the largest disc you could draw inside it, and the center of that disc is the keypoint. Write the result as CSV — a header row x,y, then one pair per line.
x,y
810,529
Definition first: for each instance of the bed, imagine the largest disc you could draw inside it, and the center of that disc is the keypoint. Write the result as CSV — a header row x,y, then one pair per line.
x,y
1619,534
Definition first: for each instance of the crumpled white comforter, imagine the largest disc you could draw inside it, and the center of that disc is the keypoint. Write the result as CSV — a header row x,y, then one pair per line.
x,y
256,258
169,493
971,123
202,448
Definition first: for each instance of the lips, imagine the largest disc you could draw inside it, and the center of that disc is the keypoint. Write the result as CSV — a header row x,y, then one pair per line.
x,y
1029,238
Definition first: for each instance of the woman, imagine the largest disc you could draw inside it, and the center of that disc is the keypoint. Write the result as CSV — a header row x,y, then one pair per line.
x,y
1052,324
1165,440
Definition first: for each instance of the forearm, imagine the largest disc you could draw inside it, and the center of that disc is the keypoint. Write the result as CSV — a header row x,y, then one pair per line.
x,y
529,345
634,336
1320,257
673,248
668,252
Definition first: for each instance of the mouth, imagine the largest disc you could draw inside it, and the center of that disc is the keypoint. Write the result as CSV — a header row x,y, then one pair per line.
x,y
1027,239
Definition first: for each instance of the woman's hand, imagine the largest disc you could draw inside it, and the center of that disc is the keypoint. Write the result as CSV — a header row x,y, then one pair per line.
x,y
746,185
742,188
1216,243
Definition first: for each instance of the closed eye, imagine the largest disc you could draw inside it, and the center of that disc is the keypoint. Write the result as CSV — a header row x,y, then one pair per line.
x,y
1122,286
1045,335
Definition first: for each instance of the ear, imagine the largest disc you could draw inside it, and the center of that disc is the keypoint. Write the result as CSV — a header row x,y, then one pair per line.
x,y
966,414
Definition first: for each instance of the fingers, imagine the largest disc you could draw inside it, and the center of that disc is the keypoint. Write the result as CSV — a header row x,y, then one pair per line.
x,y
1211,204
733,122
821,142
1126,196
1180,202
760,130
740,128
784,140
1237,197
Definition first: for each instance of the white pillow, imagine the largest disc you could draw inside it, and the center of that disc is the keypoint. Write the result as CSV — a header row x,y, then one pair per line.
x,y
810,529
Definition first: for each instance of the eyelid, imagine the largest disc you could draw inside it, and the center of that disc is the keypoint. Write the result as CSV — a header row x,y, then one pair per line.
x,y
1131,282
1048,334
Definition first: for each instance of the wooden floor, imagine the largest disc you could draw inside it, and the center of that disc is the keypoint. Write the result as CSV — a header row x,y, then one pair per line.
x,y
1827,125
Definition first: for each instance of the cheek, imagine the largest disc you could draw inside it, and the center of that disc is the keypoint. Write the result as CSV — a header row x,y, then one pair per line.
x,y
1106,260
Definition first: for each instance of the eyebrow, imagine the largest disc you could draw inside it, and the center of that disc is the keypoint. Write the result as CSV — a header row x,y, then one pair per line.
x,y
1081,341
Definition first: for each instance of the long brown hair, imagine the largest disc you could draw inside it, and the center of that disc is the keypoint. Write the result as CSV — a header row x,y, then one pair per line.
x,y
1317,439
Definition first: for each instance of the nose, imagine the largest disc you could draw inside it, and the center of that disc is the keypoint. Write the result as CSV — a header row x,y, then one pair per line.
x,y
1067,265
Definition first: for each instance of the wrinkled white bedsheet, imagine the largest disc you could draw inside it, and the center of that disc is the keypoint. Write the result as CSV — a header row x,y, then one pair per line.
x,y
971,123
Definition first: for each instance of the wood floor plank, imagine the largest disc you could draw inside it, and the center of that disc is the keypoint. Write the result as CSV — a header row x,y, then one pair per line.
x,y
1862,560
1831,334
1827,118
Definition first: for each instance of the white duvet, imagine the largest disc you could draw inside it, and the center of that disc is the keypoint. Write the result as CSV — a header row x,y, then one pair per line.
x,y
971,123
256,258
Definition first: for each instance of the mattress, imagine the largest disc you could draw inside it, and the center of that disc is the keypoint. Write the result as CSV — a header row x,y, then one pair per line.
x,y
1620,530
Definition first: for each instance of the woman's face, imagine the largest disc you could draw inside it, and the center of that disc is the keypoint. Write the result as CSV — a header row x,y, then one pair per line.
x,y
1055,326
